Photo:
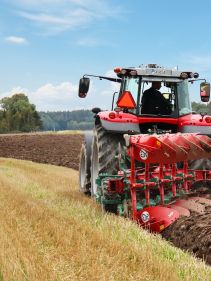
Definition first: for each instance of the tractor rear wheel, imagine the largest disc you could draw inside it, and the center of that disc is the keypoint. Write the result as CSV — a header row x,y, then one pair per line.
x,y
103,158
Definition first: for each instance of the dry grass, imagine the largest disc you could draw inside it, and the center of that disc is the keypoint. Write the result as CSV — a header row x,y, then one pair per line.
x,y
64,132
49,231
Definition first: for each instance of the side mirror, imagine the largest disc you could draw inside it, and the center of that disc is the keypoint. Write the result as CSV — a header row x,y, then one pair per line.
x,y
83,87
205,92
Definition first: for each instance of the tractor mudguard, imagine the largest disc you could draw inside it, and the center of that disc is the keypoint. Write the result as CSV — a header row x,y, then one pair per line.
x,y
88,142
195,123
120,127
114,122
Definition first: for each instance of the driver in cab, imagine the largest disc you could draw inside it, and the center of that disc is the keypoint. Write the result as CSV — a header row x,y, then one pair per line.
x,y
153,102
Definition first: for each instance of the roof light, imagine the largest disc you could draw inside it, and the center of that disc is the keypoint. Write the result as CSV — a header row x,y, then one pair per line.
x,y
133,72
208,119
183,75
152,65
191,75
123,71
126,100
117,70
195,75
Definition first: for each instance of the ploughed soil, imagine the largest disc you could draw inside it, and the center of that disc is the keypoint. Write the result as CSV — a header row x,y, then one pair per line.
x,y
56,149
193,233
188,233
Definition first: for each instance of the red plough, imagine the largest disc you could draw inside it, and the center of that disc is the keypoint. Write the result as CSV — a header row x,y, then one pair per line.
x,y
166,180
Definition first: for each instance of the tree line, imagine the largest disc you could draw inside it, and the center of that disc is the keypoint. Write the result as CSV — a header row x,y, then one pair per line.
x,y
67,120
201,107
17,114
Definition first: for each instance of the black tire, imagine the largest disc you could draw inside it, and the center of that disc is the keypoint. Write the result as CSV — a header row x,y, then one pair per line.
x,y
104,149
84,166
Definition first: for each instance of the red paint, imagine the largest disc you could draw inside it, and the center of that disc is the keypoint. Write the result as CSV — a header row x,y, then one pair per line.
x,y
157,218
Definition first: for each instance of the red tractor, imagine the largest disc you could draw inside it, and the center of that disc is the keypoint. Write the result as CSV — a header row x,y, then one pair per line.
x,y
149,158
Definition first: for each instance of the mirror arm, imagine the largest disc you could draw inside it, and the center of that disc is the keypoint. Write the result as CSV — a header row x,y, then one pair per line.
x,y
104,77
193,80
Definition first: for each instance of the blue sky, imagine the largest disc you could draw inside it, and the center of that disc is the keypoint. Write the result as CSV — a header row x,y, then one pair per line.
x,y
47,45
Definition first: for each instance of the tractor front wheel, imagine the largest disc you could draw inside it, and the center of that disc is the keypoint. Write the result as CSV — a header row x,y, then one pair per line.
x,y
84,166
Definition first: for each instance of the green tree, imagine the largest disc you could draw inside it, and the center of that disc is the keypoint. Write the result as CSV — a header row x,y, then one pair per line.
x,y
18,114
201,107
67,120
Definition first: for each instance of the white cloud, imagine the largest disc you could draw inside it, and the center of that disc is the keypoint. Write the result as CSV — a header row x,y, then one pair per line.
x,y
55,97
64,96
16,40
49,96
58,23
45,18
13,91
60,15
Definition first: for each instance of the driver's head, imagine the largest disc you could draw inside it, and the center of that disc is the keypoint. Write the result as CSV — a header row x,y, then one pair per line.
x,y
156,85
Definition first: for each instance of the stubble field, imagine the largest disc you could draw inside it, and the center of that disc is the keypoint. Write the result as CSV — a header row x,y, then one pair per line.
x,y
32,233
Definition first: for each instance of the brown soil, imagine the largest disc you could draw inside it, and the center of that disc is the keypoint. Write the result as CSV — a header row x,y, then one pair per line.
x,y
193,233
188,233
61,150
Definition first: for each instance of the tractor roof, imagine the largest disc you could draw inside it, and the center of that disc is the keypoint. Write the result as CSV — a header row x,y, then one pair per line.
x,y
153,70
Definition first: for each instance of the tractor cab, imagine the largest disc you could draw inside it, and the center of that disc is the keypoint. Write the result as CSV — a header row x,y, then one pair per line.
x,y
152,99
156,97
157,91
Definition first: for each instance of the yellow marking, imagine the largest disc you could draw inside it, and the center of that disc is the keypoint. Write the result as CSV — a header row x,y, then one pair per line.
x,y
161,226
158,143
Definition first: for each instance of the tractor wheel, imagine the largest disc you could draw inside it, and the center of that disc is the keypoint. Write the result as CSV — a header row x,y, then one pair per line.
x,y
84,166
103,160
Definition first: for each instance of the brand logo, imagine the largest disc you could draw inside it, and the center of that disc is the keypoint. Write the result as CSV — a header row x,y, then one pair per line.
x,y
145,216
143,154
